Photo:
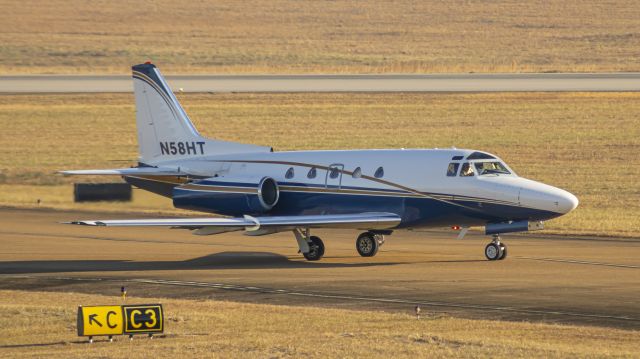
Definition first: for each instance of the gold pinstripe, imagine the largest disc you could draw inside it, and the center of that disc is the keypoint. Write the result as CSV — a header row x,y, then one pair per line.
x,y
150,82
209,188
399,186
163,179
182,182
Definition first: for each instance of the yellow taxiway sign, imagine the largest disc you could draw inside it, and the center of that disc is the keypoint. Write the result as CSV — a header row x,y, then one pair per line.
x,y
100,320
120,319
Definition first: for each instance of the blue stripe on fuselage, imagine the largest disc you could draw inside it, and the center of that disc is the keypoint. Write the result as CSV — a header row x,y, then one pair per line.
x,y
225,183
385,191
415,212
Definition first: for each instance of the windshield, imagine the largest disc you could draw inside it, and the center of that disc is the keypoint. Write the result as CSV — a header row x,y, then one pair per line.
x,y
495,167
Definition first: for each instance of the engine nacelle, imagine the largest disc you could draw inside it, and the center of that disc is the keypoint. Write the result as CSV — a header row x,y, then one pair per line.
x,y
232,196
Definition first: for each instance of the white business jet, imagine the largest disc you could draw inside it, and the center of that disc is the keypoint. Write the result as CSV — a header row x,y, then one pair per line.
x,y
378,191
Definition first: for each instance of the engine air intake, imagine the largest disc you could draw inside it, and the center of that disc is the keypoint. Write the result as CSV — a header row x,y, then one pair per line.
x,y
228,195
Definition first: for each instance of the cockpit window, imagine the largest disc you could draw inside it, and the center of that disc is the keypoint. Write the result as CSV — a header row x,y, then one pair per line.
x,y
480,156
467,170
487,168
452,170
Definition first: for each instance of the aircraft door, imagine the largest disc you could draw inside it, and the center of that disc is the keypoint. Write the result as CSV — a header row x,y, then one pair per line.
x,y
333,178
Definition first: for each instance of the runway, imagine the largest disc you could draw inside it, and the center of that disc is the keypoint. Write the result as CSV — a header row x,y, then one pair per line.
x,y
545,278
536,82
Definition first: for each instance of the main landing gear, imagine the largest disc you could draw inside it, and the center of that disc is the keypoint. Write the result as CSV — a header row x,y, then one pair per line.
x,y
316,249
368,243
495,250
312,247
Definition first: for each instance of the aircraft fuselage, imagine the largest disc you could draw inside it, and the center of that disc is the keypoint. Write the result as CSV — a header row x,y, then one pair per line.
x,y
411,183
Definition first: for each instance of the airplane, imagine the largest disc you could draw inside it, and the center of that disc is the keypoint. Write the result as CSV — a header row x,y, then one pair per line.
x,y
261,191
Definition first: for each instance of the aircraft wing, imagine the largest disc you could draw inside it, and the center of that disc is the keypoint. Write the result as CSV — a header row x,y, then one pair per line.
x,y
260,225
133,171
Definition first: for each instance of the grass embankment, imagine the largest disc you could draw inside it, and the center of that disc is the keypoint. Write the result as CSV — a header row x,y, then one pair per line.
x,y
291,36
586,143
43,324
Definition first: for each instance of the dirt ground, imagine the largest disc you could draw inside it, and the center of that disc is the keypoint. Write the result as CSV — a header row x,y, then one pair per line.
x,y
292,36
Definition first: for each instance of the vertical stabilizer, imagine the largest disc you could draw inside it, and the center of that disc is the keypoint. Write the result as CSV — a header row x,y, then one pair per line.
x,y
165,132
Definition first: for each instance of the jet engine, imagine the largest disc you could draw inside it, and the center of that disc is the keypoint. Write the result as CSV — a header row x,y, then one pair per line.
x,y
231,196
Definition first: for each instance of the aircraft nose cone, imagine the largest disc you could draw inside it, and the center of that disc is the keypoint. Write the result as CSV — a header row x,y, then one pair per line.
x,y
566,202
538,195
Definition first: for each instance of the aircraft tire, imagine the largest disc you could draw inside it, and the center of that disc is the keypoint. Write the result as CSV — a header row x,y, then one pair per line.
x,y
367,244
492,251
316,249
503,249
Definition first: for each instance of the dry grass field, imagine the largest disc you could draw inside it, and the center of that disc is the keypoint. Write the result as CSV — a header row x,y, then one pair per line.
x,y
291,36
41,324
586,143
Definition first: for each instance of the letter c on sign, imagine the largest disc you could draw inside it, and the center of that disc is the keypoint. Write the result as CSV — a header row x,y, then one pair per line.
x,y
109,314
132,317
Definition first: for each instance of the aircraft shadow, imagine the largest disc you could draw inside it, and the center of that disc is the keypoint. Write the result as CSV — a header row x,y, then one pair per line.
x,y
219,261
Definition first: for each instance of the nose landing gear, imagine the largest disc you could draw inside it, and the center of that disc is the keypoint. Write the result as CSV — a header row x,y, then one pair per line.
x,y
495,250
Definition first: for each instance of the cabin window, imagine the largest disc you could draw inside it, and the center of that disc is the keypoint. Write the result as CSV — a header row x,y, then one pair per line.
x,y
312,173
379,173
289,174
335,172
456,158
452,170
487,168
357,173
467,170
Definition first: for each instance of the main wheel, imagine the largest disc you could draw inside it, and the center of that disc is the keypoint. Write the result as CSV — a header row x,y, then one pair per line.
x,y
316,249
492,251
380,239
503,248
367,244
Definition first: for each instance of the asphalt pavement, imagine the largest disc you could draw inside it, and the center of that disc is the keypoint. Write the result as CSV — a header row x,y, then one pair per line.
x,y
564,279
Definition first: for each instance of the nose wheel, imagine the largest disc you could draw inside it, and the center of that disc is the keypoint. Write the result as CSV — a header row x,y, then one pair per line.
x,y
495,250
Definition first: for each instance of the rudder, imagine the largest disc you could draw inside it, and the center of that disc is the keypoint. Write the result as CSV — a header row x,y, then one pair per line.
x,y
165,132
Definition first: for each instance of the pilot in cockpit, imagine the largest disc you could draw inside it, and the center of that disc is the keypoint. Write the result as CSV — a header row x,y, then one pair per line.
x,y
467,170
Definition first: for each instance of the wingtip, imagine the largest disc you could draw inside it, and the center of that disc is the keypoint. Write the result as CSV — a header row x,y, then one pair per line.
x,y
80,223
85,223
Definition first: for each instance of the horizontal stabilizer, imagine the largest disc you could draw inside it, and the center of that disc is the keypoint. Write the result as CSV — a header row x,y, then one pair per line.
x,y
253,224
134,171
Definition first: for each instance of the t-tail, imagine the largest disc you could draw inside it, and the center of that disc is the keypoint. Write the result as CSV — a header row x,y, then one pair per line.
x,y
165,132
